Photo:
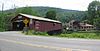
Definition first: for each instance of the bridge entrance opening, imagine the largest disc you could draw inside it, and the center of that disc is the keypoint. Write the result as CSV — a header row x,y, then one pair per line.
x,y
18,26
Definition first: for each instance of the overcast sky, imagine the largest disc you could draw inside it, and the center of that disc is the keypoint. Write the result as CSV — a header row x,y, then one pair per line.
x,y
65,4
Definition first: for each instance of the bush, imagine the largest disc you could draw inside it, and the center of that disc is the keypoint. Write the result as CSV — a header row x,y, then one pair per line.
x,y
81,35
1,29
72,35
67,31
32,32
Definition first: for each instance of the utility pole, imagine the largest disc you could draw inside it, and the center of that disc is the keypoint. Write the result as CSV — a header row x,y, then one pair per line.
x,y
2,7
14,9
1,22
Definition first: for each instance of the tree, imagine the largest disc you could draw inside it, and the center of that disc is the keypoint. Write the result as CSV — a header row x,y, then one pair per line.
x,y
27,10
2,21
51,15
64,19
93,11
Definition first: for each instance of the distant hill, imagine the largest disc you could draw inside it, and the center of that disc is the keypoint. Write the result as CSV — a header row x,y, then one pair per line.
x,y
62,14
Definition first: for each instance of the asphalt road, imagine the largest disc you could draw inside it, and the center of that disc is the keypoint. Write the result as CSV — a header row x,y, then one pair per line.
x,y
7,46
16,41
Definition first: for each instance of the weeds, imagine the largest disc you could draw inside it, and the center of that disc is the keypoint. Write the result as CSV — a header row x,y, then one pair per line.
x,y
67,35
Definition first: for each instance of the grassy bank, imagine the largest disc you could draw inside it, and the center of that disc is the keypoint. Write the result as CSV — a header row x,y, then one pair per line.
x,y
71,35
81,35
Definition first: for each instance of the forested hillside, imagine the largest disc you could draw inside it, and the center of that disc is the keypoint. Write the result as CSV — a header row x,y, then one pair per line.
x,y
63,15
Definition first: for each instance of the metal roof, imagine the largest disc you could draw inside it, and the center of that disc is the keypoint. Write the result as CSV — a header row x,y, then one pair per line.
x,y
39,18
82,24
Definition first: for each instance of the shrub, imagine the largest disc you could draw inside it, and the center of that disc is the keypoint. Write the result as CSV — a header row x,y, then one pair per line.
x,y
1,29
81,35
72,35
32,32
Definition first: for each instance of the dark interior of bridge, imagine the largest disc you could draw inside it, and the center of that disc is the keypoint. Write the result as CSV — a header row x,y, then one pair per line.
x,y
18,26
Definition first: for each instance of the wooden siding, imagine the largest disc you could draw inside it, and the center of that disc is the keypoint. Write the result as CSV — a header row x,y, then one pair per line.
x,y
45,26
38,25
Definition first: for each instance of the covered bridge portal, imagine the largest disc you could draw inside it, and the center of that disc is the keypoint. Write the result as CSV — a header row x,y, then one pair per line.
x,y
36,23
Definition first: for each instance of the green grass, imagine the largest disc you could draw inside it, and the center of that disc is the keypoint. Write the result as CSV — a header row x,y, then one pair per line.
x,y
71,35
81,35
30,32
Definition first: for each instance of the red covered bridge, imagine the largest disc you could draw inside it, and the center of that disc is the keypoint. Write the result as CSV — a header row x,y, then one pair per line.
x,y
36,23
